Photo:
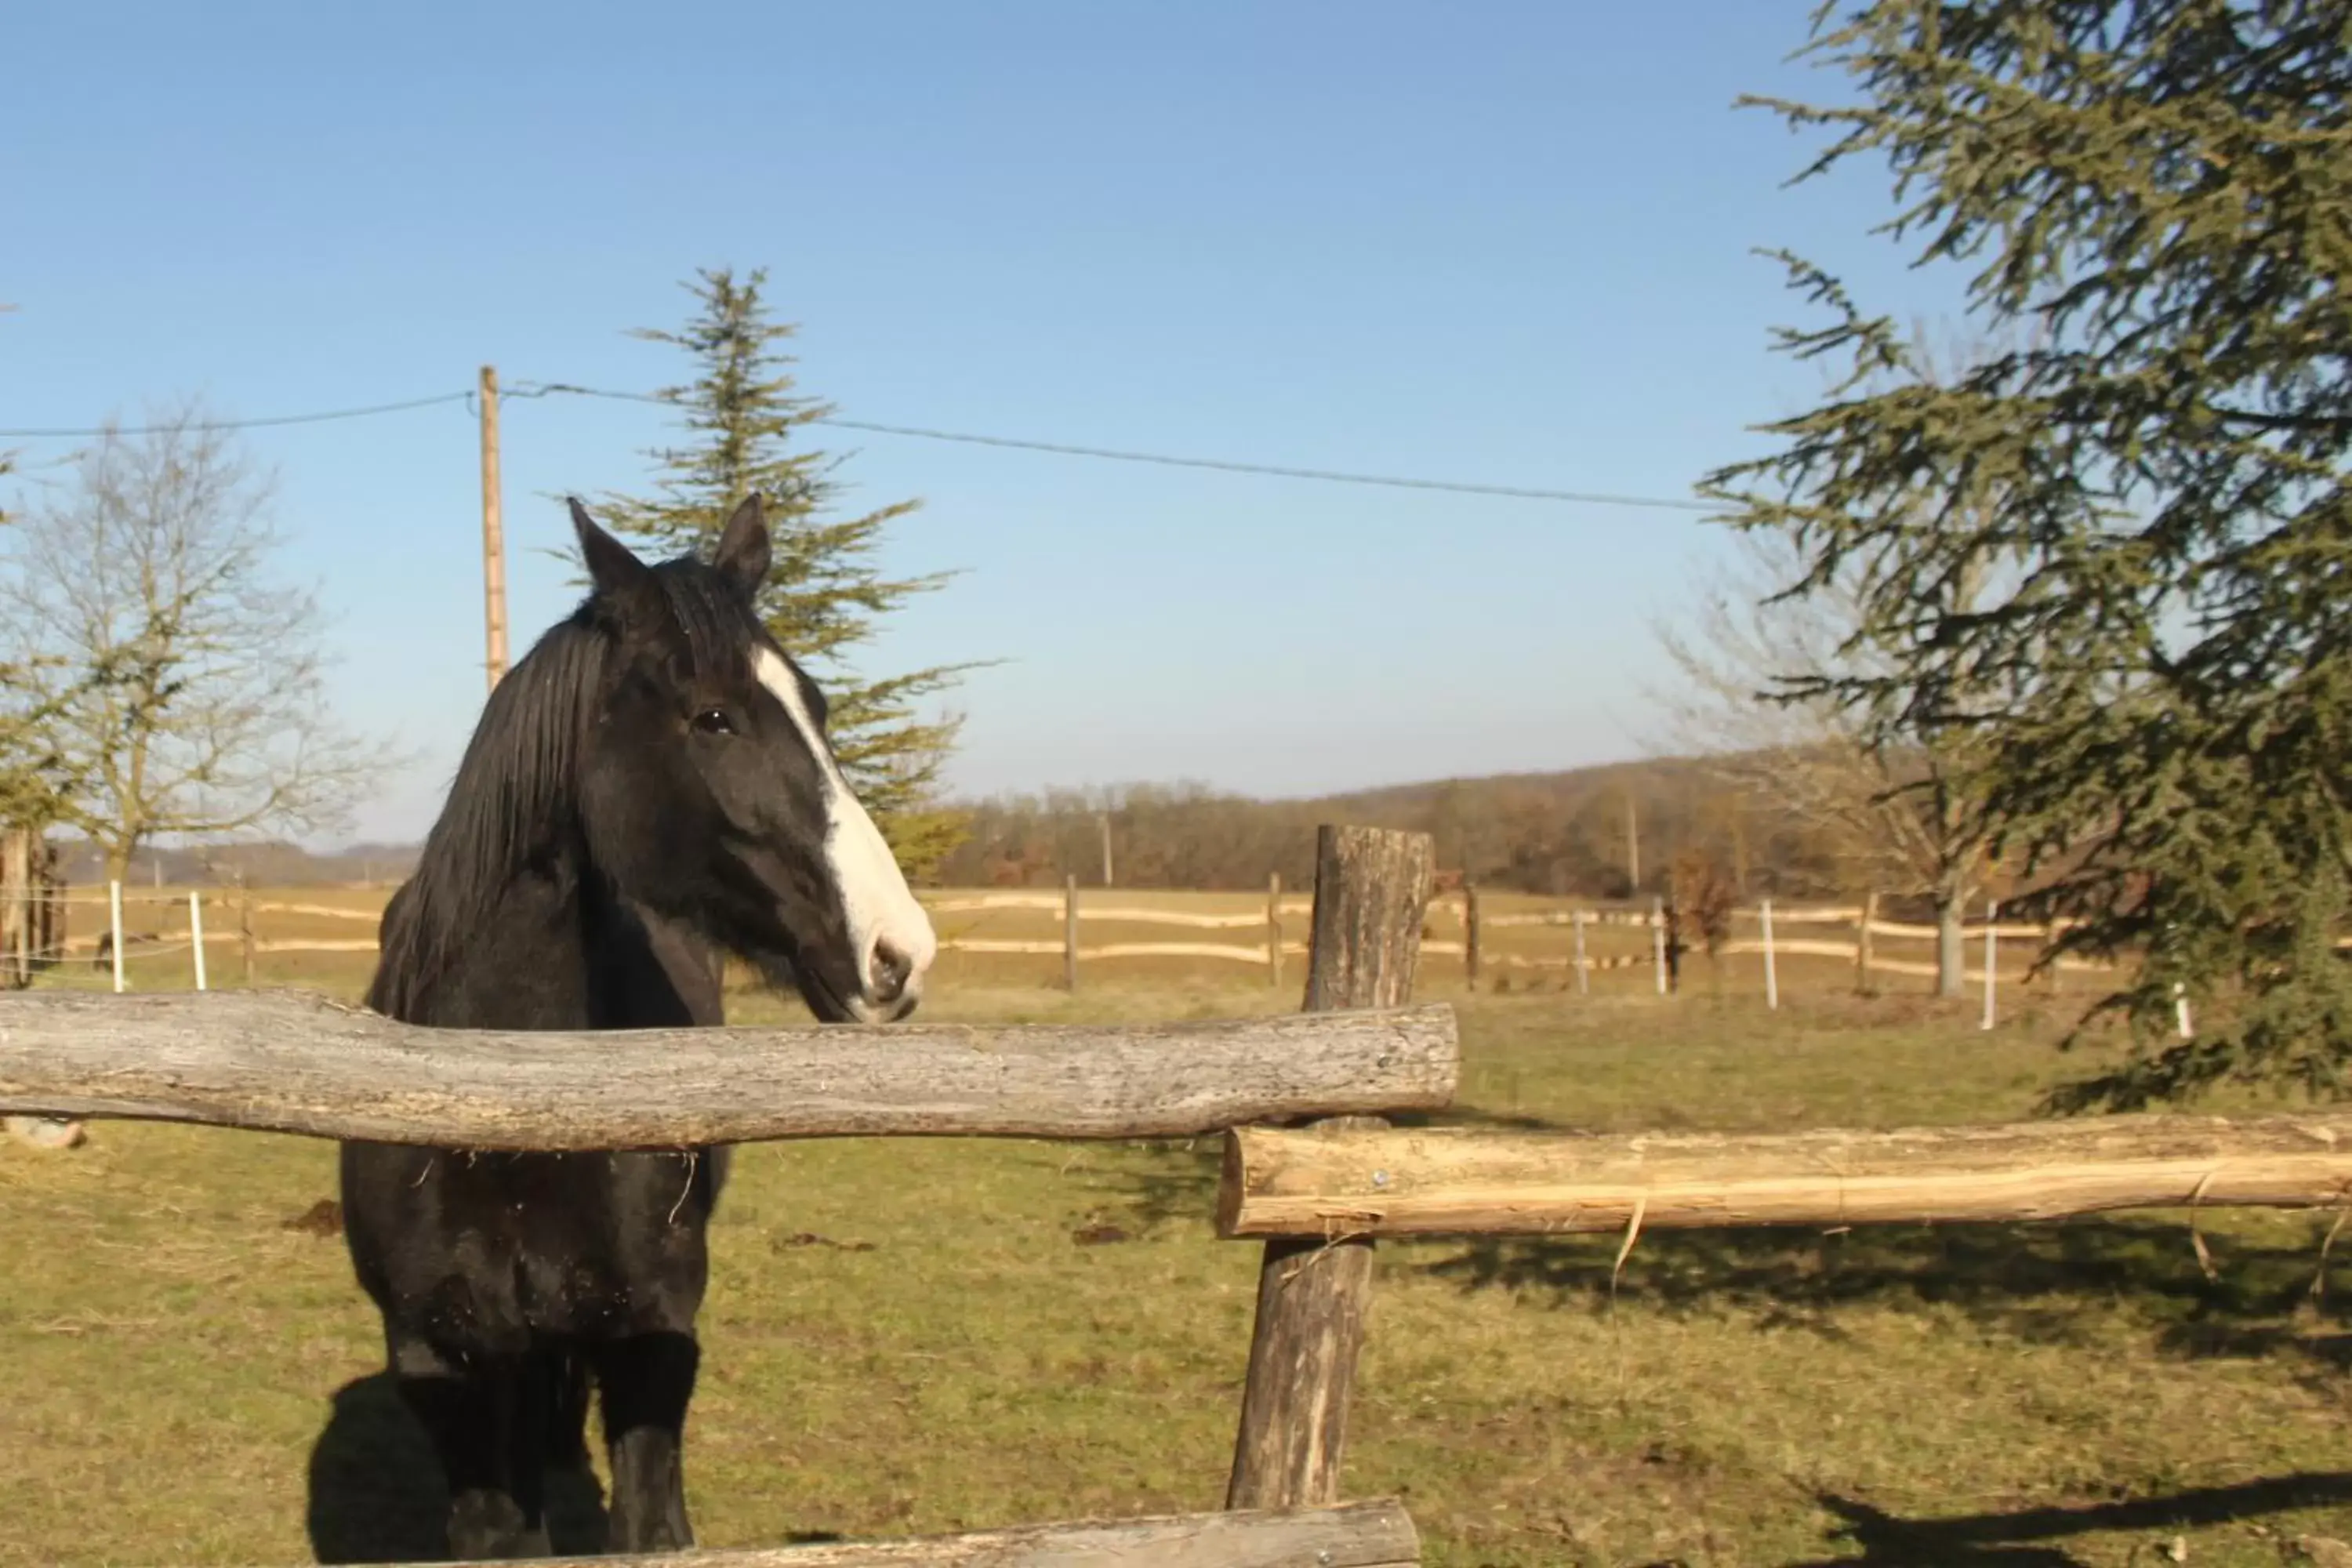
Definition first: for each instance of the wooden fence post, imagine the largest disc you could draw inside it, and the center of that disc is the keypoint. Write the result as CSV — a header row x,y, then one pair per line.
x,y
1992,937
1583,969
1658,942
1862,943
1070,932
1469,935
50,948
1372,891
245,928
1274,928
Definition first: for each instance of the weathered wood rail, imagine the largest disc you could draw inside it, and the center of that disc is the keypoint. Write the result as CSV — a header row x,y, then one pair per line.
x,y
1454,1182
1358,1536
291,1063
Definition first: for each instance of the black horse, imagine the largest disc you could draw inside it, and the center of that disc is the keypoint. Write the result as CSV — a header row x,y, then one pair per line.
x,y
650,786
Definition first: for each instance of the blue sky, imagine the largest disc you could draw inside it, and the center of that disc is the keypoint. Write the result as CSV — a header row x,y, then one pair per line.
x,y
1502,243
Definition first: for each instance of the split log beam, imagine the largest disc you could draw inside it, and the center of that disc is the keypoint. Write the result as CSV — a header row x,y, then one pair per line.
x,y
1455,1181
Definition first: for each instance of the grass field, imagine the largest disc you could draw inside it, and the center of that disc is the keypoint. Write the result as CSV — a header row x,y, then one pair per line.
x,y
914,1336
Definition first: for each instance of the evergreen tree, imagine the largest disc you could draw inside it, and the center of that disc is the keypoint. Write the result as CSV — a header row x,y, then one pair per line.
x,y
2159,195
824,592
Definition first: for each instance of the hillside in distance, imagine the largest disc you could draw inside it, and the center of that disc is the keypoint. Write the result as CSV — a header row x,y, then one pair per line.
x,y
1564,833
1609,831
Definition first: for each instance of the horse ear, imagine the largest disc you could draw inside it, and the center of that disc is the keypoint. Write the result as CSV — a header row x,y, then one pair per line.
x,y
616,574
744,555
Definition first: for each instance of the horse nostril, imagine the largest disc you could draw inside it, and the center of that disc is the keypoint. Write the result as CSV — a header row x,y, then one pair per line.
x,y
887,971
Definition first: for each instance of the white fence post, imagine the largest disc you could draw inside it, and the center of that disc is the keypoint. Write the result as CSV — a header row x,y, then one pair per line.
x,y
114,920
1583,969
2180,1015
1771,975
196,933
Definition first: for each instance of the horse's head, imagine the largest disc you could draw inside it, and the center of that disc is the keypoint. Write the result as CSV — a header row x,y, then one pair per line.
x,y
710,793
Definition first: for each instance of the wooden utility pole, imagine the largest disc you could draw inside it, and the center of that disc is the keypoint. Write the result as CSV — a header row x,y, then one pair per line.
x,y
494,548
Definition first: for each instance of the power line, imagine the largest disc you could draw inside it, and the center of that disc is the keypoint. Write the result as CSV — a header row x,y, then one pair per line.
x,y
915,431
319,418
1164,459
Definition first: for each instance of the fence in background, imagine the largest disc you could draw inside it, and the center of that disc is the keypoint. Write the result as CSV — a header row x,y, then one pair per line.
x,y
1455,926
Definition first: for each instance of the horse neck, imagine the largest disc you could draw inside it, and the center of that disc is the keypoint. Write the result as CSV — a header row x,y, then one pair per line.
x,y
558,949
648,971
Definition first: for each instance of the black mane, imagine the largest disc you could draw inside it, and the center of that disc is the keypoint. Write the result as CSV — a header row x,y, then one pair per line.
x,y
514,800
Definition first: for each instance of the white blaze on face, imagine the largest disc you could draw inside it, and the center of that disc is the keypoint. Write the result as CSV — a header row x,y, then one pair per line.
x,y
879,908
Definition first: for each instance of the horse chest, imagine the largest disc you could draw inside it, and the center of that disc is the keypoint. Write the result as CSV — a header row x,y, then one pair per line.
x,y
585,1246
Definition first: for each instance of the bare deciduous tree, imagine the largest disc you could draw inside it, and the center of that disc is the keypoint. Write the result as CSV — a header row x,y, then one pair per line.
x,y
1899,799
1899,813
176,683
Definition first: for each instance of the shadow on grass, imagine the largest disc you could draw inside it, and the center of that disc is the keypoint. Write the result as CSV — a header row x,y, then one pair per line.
x,y
2026,1278
2003,1538
377,1496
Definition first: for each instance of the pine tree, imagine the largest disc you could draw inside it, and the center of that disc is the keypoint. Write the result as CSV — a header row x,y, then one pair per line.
x,y
824,594
2157,196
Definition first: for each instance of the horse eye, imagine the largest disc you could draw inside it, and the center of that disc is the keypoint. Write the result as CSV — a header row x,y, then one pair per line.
x,y
714,721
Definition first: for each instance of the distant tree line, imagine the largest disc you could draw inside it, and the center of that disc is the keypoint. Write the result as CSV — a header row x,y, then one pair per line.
x,y
1600,832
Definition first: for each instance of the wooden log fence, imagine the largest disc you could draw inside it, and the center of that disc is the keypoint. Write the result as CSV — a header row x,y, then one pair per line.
x,y
304,1065
1078,909
1441,1181
1313,1171
1269,951
289,1062
1358,1536
1371,890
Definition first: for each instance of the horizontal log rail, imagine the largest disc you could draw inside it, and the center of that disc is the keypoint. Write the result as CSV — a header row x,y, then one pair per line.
x,y
1355,1535
287,1062
1454,1182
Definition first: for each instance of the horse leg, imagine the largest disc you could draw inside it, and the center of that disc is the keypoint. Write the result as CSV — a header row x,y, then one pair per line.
x,y
470,1413
573,1501
646,1380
